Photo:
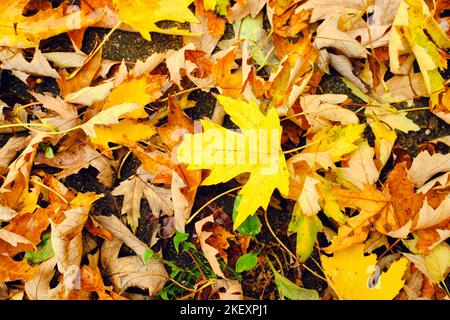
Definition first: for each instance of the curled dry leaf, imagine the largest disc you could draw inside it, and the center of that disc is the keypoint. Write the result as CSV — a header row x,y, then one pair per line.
x,y
129,271
108,116
12,238
361,170
435,265
9,150
425,166
38,287
7,214
39,66
16,181
209,251
69,84
88,96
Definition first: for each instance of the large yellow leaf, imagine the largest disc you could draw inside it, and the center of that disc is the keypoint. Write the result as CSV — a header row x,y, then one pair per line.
x,y
143,15
227,153
350,274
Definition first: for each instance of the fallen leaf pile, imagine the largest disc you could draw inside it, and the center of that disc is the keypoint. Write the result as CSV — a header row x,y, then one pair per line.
x,y
225,167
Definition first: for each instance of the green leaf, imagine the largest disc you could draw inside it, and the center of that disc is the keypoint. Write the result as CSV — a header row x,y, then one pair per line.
x,y
179,238
251,226
148,253
306,228
49,152
43,252
189,246
246,262
252,29
290,290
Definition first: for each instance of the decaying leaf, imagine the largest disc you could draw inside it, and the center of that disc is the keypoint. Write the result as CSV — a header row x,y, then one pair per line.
x,y
129,271
209,251
425,166
137,187
67,235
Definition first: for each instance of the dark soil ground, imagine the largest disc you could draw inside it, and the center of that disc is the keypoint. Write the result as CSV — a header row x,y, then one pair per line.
x,y
130,47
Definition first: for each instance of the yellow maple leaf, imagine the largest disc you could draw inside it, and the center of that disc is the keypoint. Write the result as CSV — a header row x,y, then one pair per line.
x,y
353,276
337,141
10,13
416,31
125,132
257,150
143,15
141,91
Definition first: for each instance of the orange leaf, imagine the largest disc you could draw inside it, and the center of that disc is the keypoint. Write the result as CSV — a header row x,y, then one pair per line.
x,y
29,226
219,240
83,78
430,236
216,24
177,125
230,82
405,202
289,24
11,270
98,230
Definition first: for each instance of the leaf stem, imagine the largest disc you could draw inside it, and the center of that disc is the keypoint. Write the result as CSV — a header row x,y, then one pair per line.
x,y
59,195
